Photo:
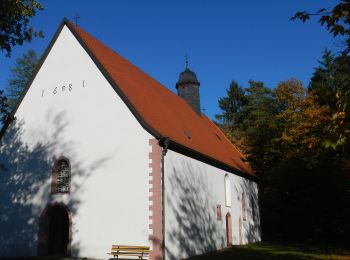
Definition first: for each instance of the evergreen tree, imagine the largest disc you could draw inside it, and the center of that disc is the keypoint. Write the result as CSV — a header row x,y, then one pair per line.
x,y
20,75
324,83
4,110
248,120
232,104
258,126
331,85
283,131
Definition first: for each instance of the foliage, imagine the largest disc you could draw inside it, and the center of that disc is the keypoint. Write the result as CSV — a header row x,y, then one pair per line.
x,y
14,28
337,20
301,120
285,133
331,85
21,74
331,80
4,111
232,104
250,124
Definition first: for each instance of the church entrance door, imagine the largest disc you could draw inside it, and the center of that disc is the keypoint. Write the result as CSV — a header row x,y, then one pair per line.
x,y
58,232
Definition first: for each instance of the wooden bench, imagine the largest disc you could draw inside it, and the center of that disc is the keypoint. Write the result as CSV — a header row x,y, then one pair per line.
x,y
132,251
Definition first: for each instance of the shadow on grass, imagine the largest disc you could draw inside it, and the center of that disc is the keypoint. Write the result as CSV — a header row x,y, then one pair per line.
x,y
267,251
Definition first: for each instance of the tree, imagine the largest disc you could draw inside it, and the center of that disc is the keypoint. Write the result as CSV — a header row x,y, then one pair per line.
x,y
337,20
4,111
232,104
21,74
302,121
14,20
330,79
331,85
259,125
248,120
302,182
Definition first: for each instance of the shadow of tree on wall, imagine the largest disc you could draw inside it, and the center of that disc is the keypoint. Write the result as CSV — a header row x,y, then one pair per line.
x,y
25,184
191,203
251,225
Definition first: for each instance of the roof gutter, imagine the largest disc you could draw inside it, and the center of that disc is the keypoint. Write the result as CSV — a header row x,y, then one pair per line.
x,y
167,143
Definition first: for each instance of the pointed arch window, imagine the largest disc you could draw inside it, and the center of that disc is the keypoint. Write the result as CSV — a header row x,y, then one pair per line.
x,y
61,175
227,191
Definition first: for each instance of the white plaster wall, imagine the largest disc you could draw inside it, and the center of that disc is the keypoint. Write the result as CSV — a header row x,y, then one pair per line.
x,y
107,148
192,191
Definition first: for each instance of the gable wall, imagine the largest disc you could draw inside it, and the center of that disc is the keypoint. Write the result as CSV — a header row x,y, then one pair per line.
x,y
107,148
193,190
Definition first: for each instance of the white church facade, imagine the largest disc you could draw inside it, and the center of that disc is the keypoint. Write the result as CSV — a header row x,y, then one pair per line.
x,y
100,153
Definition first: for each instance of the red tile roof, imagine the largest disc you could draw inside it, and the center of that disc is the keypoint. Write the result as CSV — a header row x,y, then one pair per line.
x,y
163,111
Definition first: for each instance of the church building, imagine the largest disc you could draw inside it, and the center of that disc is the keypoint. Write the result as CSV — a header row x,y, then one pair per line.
x,y
100,153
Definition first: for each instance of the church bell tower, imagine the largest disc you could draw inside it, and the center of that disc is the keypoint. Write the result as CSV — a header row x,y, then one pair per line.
x,y
188,88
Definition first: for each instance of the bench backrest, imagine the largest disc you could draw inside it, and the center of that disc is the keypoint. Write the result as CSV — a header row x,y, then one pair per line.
x,y
141,249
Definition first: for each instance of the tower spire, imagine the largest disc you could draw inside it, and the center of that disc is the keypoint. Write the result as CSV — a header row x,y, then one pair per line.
x,y
186,61
188,88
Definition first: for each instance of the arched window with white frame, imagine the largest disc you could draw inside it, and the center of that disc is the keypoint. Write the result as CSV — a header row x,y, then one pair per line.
x,y
227,191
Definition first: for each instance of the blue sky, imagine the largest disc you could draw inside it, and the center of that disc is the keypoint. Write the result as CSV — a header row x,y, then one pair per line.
x,y
224,40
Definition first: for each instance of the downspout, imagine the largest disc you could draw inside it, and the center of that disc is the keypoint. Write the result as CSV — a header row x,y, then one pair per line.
x,y
164,142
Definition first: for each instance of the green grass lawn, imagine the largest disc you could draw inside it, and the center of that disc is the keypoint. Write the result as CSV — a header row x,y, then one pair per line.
x,y
273,251
260,251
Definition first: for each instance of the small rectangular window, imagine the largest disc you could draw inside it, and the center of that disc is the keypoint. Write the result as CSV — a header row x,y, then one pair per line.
x,y
218,212
244,209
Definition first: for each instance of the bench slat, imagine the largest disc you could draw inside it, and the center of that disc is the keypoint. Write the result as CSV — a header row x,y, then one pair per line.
x,y
127,250
122,246
131,251
131,254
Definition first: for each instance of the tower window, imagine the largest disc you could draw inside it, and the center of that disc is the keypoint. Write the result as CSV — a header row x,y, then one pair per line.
x,y
61,176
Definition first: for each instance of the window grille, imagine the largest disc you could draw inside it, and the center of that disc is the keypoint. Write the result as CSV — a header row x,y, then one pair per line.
x,y
61,176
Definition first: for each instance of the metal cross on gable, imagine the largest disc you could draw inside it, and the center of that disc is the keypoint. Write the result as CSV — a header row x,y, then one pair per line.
x,y
75,18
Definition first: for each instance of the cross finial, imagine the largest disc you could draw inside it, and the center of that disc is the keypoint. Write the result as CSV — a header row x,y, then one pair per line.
x,y
76,17
186,61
